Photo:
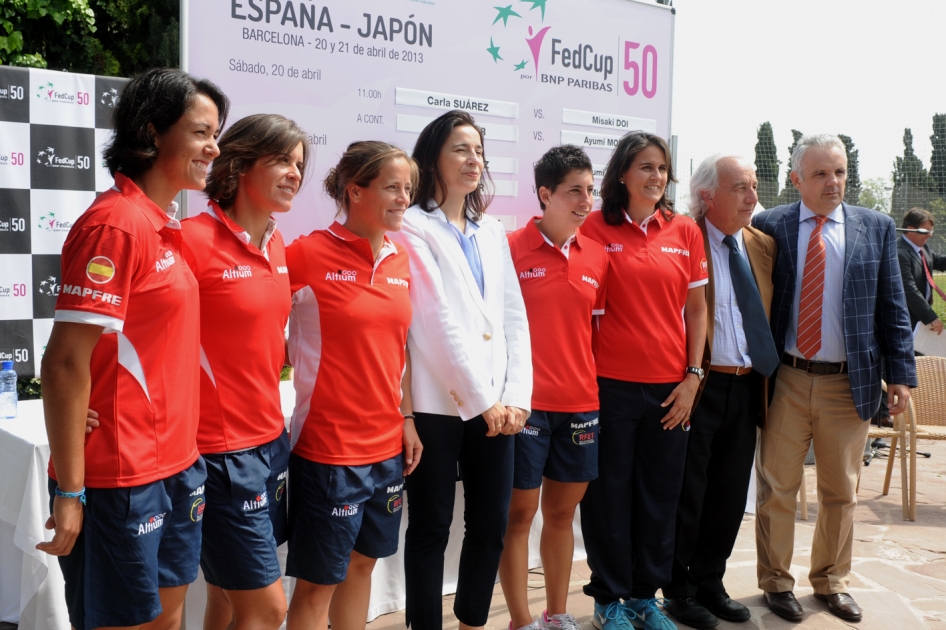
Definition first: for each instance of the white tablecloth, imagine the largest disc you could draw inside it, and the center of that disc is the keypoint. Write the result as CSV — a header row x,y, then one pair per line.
x,y
31,585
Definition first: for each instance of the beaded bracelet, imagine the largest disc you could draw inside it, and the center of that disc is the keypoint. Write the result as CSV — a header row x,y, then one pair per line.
x,y
72,495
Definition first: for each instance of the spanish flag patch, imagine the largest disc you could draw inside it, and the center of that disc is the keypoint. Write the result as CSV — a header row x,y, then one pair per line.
x,y
100,270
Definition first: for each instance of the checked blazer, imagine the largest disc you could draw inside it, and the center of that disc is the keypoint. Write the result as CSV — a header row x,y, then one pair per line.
x,y
876,322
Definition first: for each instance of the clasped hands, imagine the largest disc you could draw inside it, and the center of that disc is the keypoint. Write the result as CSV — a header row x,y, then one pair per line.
x,y
504,420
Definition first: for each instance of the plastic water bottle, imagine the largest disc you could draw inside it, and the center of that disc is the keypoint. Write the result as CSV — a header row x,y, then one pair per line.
x,y
7,391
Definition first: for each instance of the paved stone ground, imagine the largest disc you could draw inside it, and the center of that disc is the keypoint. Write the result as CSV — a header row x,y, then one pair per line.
x,y
899,566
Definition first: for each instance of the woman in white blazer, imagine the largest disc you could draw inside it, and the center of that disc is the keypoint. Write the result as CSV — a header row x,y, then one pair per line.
x,y
471,365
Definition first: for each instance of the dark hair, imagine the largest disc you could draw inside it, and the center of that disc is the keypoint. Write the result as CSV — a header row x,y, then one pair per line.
x,y
247,141
427,155
159,96
614,197
360,165
553,167
915,217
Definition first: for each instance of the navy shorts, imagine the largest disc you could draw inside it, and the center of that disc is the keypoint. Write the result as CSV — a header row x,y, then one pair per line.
x,y
133,541
246,516
334,510
559,445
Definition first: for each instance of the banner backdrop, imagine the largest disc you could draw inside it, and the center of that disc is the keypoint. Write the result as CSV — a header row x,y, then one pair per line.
x,y
53,126
534,74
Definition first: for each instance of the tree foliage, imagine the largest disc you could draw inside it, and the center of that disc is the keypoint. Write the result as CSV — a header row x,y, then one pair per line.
x,y
938,158
789,193
766,166
875,194
107,37
912,184
852,190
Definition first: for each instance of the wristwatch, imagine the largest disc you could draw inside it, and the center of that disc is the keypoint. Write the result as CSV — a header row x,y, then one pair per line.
x,y
695,370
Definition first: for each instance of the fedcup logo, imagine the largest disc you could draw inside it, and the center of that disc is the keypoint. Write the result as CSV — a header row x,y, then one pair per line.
x,y
47,157
49,223
49,286
109,97
504,40
48,93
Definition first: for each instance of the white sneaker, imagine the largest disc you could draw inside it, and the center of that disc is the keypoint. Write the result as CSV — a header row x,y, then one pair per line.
x,y
559,622
535,625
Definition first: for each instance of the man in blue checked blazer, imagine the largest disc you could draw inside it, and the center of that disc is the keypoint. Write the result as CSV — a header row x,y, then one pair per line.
x,y
838,308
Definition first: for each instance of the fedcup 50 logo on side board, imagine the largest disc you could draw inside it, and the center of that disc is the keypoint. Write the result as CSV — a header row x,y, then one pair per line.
x,y
61,98
62,158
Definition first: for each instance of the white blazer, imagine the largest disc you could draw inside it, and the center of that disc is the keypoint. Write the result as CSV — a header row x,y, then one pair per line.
x,y
468,351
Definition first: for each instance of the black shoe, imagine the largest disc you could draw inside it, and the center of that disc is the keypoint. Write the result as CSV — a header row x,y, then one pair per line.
x,y
725,608
841,605
688,611
785,605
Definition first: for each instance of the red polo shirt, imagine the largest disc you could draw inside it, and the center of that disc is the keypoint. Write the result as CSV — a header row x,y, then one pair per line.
x,y
561,295
244,306
641,337
347,334
122,269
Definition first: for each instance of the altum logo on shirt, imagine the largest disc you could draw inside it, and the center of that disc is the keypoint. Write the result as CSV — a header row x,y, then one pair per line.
x,y
342,275
238,271
163,263
614,247
535,272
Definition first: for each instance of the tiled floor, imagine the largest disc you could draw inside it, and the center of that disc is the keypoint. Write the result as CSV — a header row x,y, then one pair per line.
x,y
899,566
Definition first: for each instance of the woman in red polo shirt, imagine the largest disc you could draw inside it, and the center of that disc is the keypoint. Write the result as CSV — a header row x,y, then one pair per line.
x,y
351,310
124,343
648,350
239,260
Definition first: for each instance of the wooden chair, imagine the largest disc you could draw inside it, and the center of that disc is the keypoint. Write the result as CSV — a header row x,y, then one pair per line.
x,y
896,433
926,415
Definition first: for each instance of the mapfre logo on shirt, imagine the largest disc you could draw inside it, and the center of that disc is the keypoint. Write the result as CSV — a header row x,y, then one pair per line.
x,y
342,275
675,250
401,282
161,264
282,269
591,281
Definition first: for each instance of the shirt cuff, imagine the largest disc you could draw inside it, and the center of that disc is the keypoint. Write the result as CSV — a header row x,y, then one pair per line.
x,y
111,324
597,311
698,283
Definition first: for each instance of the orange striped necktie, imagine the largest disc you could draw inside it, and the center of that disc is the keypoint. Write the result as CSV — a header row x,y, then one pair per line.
x,y
812,294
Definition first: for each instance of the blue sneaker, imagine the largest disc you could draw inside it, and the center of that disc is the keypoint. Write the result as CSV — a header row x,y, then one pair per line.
x,y
646,610
614,616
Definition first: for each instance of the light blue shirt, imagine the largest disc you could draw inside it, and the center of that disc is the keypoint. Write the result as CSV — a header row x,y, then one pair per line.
x,y
832,312
729,339
471,250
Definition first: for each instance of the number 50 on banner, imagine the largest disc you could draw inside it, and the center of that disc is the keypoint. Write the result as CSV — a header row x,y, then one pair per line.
x,y
644,71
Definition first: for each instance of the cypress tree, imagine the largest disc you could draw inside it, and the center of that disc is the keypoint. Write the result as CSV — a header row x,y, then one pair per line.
x,y
852,191
766,165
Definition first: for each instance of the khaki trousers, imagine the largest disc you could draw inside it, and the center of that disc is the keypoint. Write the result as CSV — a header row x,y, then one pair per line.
x,y
806,409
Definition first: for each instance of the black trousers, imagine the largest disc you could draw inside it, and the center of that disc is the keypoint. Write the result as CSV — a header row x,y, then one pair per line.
x,y
629,511
486,466
718,469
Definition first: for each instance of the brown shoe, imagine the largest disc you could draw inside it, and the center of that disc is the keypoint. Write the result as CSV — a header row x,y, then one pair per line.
x,y
841,605
785,605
